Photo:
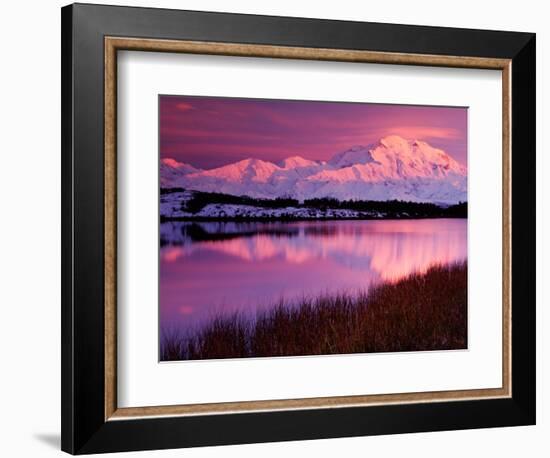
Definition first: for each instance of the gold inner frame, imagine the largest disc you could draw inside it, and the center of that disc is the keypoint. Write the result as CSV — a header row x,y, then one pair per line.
x,y
114,44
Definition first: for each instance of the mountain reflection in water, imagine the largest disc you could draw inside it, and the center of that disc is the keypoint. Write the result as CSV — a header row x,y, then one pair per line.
x,y
212,267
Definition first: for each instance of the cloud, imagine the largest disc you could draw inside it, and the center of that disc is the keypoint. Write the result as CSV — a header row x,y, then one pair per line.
x,y
184,106
420,133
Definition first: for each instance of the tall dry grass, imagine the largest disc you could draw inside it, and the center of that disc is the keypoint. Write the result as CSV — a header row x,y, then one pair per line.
x,y
420,312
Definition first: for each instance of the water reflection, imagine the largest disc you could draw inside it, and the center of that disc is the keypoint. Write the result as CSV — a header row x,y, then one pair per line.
x,y
210,267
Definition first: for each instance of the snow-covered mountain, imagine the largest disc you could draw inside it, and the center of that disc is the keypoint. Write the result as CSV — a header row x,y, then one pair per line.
x,y
392,168
356,155
171,171
295,162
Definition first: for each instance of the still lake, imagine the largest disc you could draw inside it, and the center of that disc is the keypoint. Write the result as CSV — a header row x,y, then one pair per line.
x,y
211,268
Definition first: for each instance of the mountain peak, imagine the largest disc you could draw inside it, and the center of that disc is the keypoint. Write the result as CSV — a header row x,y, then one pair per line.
x,y
176,166
414,158
294,162
357,154
172,170
247,169
172,163
394,141
252,162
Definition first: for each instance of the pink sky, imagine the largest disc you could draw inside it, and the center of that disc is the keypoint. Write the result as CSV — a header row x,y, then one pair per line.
x,y
209,132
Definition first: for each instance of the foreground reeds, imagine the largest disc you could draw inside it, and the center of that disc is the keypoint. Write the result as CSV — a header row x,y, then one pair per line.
x,y
420,312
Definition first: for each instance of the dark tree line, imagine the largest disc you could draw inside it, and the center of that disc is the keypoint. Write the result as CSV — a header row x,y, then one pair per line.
x,y
202,199
389,208
392,207
164,191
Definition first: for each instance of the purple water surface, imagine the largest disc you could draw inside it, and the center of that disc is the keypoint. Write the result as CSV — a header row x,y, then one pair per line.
x,y
208,268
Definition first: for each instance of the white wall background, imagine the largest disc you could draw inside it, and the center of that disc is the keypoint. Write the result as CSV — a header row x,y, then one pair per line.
x,y
30,229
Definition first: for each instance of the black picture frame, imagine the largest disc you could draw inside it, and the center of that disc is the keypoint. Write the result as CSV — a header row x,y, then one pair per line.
x,y
84,428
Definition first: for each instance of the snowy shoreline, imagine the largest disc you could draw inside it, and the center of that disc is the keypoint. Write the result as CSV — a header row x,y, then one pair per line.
x,y
173,208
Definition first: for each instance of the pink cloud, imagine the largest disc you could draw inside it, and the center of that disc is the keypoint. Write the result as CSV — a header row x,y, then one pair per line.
x,y
183,106
423,132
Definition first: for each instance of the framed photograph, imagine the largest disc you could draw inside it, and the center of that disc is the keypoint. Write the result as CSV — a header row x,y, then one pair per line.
x,y
283,228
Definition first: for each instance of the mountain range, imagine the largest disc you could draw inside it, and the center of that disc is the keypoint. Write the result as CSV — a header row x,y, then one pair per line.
x,y
392,168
